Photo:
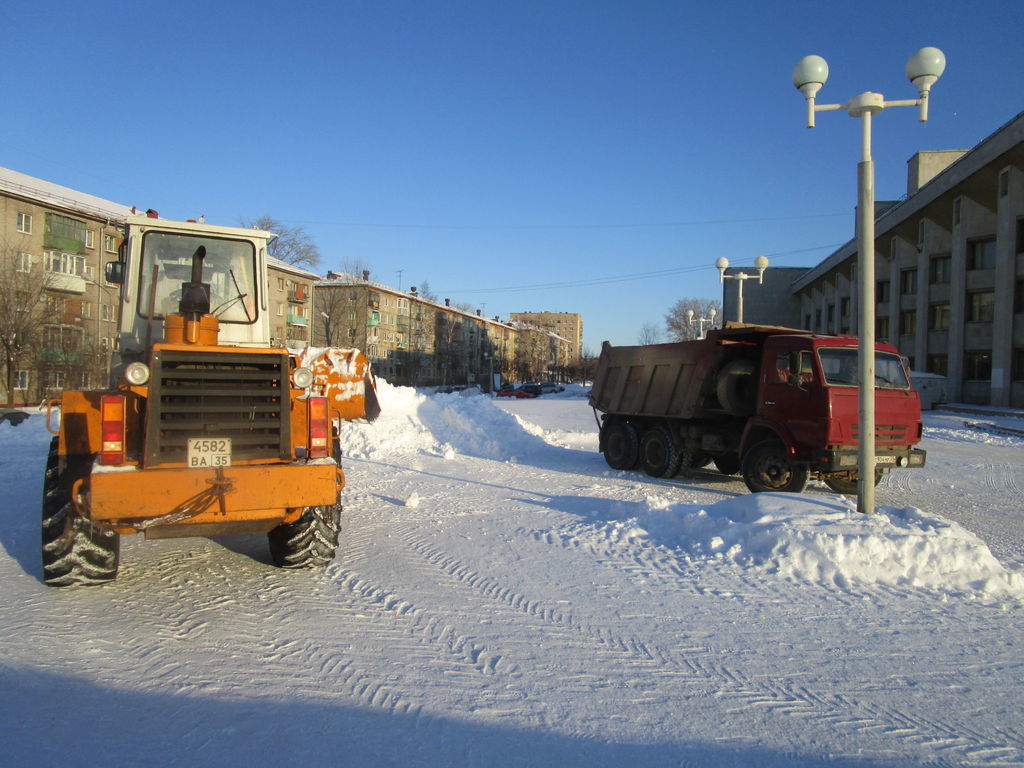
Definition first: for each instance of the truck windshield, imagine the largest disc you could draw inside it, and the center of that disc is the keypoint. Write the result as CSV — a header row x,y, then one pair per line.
x,y
840,368
229,268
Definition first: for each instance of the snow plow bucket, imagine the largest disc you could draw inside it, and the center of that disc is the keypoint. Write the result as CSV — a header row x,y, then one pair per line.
x,y
343,376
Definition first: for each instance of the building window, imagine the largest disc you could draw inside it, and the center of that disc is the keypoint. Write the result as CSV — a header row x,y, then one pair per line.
x,y
110,244
1018,364
54,380
24,261
86,309
938,317
107,312
831,315
882,328
817,319
90,239
21,379
280,309
978,365
1018,296
25,223
938,364
882,291
982,254
981,306
908,321
807,321
908,282
940,269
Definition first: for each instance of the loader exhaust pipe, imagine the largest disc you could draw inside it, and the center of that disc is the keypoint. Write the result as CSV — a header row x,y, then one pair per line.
x,y
193,324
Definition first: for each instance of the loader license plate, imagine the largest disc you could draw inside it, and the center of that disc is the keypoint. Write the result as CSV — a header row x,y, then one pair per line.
x,y
209,452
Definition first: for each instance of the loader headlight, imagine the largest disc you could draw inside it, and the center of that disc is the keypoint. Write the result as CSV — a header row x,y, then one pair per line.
x,y
302,378
137,374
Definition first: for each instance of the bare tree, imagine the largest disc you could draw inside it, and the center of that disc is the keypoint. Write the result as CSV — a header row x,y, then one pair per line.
x,y
23,312
425,292
292,245
678,324
649,334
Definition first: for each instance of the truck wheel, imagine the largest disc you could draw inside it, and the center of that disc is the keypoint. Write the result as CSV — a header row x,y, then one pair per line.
x,y
695,460
621,444
659,455
73,550
846,482
736,387
309,542
728,463
767,467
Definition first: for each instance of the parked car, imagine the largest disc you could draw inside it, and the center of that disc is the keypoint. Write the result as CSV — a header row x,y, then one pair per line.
x,y
516,392
549,387
532,389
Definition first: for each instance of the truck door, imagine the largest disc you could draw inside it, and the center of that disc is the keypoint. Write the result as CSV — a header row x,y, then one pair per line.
x,y
790,394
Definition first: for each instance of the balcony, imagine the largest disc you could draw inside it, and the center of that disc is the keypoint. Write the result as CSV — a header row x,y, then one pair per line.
x,y
298,295
297,320
59,281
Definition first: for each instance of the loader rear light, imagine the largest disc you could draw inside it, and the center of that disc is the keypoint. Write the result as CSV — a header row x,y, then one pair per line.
x,y
319,428
112,429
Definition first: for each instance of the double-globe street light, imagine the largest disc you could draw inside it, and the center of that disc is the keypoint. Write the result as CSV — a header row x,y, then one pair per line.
x,y
809,75
722,264
710,320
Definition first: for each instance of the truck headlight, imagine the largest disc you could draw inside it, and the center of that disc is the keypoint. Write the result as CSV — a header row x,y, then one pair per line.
x,y
137,374
302,378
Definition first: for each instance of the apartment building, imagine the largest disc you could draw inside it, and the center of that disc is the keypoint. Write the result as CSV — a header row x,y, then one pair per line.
x,y
290,301
567,325
54,245
413,340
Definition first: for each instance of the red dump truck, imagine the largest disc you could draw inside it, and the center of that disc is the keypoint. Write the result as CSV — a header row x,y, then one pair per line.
x,y
778,405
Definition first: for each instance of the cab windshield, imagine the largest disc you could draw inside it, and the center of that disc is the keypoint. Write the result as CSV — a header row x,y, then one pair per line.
x,y
229,268
840,369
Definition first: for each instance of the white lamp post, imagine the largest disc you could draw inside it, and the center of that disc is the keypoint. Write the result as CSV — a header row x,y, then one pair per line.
x,y
710,320
760,264
809,75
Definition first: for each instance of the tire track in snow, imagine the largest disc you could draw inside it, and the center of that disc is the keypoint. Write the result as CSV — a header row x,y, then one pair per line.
x,y
699,666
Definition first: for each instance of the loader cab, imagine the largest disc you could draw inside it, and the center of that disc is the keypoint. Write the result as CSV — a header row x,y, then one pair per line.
x,y
155,267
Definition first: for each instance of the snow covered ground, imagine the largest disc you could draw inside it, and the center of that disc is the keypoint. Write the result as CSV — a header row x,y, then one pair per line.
x,y
501,597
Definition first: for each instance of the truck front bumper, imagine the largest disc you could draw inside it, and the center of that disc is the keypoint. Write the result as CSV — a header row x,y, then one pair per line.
x,y
234,499
846,459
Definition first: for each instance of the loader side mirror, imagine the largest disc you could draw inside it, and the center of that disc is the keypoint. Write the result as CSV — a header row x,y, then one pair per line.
x,y
114,272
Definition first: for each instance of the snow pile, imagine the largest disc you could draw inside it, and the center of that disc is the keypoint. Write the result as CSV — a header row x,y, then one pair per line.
x,y
825,540
439,425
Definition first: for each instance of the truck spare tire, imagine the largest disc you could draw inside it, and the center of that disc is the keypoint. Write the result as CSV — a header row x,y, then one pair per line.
x,y
736,387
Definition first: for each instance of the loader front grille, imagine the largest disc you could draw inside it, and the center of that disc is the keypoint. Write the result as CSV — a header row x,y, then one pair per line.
x,y
240,395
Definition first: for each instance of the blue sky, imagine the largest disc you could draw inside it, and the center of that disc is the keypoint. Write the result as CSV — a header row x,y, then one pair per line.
x,y
591,157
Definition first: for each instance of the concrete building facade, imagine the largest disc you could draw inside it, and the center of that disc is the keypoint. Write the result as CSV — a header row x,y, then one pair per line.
x,y
949,264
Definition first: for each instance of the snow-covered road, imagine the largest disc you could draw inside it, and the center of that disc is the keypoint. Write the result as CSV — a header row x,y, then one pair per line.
x,y
502,598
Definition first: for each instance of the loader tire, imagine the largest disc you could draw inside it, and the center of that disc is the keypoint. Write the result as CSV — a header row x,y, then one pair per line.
x,y
620,444
309,542
74,551
659,455
736,387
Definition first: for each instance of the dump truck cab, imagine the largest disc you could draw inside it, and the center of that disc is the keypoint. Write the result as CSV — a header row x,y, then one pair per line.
x,y
808,398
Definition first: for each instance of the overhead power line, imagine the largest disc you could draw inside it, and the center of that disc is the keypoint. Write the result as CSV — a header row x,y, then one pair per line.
x,y
623,278
541,227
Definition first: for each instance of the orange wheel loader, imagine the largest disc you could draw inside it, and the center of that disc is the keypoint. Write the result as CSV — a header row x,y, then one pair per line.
x,y
207,428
